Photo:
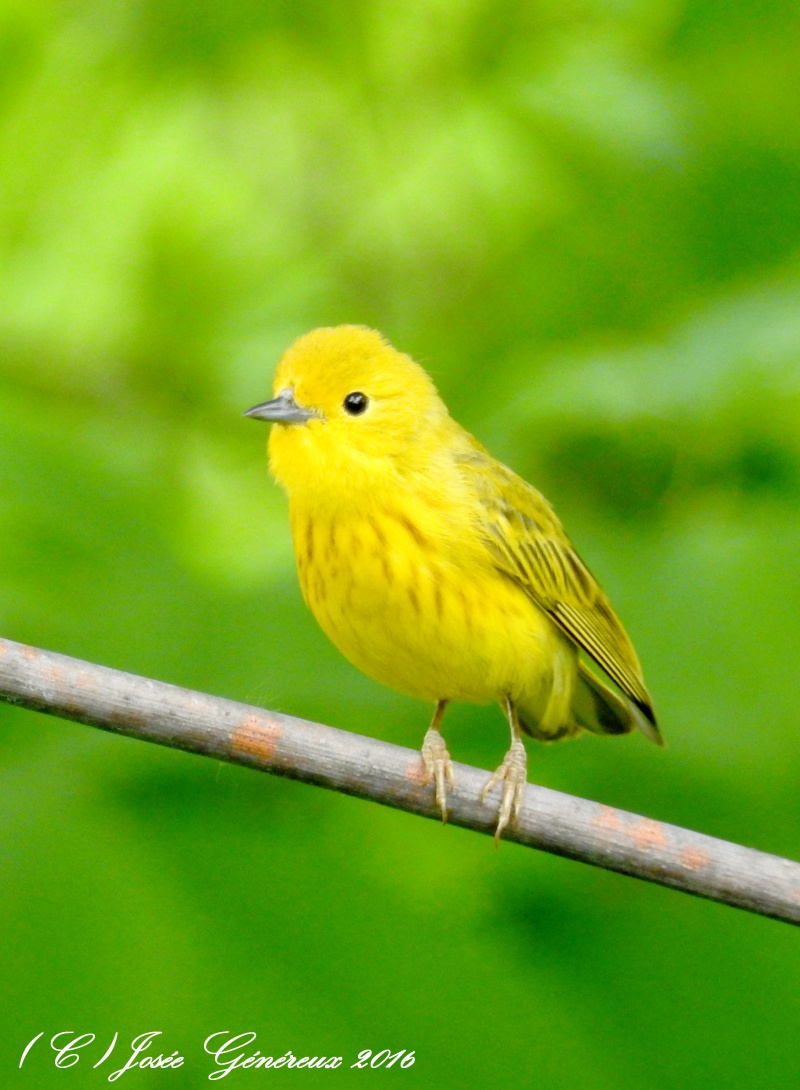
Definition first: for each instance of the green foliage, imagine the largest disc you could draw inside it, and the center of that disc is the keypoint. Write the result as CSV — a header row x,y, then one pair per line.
x,y
582,217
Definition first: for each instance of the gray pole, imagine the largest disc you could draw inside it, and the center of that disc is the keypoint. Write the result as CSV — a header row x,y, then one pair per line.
x,y
271,742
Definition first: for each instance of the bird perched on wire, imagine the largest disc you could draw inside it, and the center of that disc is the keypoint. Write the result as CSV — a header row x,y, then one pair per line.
x,y
433,567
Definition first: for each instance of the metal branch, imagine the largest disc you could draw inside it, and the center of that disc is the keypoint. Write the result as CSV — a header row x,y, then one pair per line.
x,y
550,820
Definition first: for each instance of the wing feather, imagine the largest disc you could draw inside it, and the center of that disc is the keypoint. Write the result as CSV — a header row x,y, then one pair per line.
x,y
528,544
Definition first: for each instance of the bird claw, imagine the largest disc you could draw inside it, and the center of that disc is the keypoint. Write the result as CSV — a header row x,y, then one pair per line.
x,y
438,767
513,774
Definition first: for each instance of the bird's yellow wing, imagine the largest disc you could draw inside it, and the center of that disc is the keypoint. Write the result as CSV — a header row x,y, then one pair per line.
x,y
528,544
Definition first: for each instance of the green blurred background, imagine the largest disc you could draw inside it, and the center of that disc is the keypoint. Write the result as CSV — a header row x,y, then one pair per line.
x,y
584,218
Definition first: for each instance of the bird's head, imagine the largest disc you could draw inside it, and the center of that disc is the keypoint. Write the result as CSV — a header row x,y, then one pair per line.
x,y
347,406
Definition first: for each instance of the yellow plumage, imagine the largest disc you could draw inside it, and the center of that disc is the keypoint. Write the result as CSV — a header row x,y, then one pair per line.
x,y
431,566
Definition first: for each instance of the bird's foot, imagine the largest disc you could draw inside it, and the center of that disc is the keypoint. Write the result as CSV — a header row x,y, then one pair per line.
x,y
513,774
438,767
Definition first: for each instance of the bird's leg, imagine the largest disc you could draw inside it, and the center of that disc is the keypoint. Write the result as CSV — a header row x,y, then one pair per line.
x,y
438,766
512,773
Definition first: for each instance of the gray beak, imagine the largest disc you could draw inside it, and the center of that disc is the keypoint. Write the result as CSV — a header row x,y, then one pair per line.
x,y
283,409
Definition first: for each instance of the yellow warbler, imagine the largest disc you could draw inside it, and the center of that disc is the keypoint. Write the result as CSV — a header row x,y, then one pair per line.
x,y
432,567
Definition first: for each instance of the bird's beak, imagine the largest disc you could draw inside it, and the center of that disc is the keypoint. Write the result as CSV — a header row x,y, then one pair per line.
x,y
283,409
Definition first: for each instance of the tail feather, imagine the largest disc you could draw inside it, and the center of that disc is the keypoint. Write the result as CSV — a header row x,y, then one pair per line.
x,y
586,704
600,710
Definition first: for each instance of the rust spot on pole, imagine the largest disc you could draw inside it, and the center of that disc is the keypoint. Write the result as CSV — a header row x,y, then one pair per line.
x,y
256,738
84,680
416,772
647,834
607,819
694,858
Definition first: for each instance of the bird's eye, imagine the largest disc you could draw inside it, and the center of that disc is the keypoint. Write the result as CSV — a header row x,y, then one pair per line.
x,y
356,403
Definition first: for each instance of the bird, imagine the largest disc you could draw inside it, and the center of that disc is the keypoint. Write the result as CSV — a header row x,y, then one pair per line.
x,y
434,568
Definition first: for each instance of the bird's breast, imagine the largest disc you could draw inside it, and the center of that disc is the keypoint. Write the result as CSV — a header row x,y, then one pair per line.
x,y
416,606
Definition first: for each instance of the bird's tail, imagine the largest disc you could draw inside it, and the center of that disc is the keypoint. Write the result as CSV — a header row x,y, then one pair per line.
x,y
593,707
596,708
